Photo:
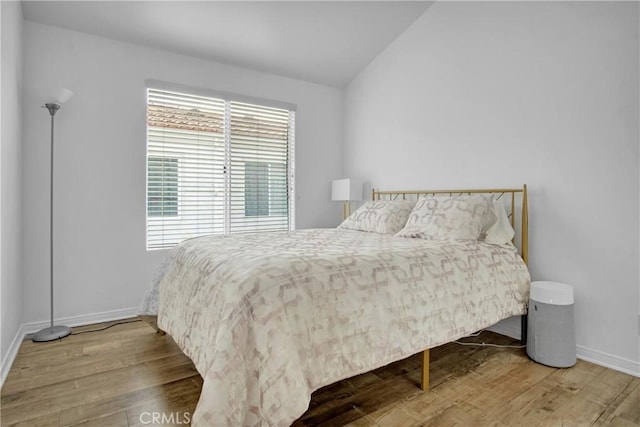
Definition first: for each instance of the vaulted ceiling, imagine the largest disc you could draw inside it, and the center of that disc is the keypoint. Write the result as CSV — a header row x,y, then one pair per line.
x,y
326,42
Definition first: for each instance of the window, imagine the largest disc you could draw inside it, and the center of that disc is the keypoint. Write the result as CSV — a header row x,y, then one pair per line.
x,y
216,166
256,189
162,193
265,189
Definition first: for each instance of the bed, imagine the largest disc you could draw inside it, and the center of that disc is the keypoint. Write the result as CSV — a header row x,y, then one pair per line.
x,y
268,318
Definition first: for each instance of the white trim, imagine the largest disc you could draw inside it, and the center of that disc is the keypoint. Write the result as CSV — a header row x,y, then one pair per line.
x,y
11,354
227,167
597,357
291,159
84,319
607,360
227,96
617,363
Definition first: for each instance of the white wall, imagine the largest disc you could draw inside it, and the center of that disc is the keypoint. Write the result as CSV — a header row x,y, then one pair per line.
x,y
10,177
484,94
100,257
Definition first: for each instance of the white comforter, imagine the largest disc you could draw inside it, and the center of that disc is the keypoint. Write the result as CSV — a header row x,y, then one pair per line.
x,y
268,318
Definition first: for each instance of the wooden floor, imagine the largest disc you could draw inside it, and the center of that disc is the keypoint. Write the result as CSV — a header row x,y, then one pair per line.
x,y
121,376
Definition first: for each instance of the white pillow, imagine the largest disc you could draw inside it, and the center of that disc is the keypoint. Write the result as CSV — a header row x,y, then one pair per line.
x,y
446,219
501,231
489,218
380,216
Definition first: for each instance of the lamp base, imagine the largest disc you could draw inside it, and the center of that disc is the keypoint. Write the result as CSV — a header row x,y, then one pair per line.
x,y
346,209
51,333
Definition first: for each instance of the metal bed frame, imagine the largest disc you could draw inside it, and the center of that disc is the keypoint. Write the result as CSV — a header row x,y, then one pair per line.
x,y
498,194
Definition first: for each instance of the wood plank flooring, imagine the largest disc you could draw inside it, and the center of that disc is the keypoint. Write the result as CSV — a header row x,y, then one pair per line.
x,y
122,375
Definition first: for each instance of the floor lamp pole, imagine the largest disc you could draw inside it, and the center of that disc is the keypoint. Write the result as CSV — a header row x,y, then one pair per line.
x,y
52,332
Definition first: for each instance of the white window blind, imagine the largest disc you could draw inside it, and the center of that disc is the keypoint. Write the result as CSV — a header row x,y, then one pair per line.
x,y
216,166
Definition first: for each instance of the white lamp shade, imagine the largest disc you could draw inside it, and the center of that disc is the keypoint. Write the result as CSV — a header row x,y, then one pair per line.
x,y
346,189
61,96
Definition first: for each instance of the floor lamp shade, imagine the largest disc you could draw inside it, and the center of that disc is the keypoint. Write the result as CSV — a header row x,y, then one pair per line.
x,y
53,332
60,96
346,190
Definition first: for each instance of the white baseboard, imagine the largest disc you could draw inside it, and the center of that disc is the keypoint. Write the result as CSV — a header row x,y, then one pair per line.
x,y
11,354
511,328
607,360
85,319
508,327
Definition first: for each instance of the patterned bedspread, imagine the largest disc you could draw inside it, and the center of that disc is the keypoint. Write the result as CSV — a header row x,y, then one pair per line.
x,y
268,318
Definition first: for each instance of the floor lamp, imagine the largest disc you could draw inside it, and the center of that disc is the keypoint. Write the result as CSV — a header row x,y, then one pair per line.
x,y
53,332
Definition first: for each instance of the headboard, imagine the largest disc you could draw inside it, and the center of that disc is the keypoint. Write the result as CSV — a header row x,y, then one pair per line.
x,y
509,196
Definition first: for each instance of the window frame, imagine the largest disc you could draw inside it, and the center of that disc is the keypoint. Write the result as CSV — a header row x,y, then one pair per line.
x,y
289,175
